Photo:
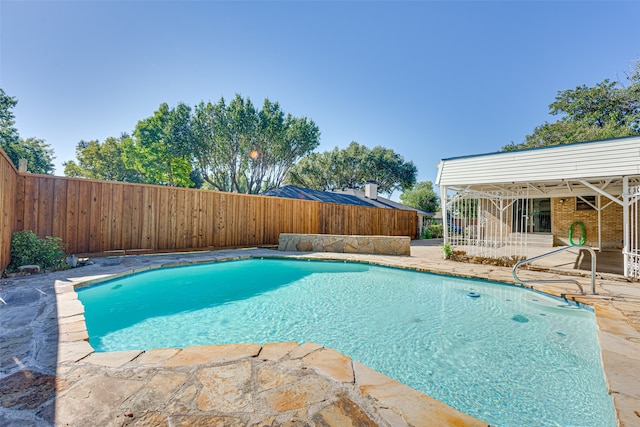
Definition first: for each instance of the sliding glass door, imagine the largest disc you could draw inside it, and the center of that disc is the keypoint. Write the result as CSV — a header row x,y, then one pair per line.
x,y
532,216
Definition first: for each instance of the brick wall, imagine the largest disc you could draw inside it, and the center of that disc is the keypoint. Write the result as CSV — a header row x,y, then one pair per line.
x,y
564,214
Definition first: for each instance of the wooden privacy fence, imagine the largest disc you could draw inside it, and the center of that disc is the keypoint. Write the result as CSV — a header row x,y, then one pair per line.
x,y
101,216
8,188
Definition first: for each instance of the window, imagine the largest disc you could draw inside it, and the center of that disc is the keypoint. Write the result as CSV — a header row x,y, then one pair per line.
x,y
585,203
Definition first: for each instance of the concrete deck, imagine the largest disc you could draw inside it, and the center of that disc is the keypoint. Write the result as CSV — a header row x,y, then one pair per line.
x,y
50,375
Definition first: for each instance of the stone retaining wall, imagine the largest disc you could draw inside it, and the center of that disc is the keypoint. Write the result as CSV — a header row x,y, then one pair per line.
x,y
379,245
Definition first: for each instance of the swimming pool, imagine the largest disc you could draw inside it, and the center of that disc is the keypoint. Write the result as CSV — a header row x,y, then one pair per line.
x,y
509,356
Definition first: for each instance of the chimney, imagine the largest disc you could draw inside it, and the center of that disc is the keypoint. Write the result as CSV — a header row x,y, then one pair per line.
x,y
371,190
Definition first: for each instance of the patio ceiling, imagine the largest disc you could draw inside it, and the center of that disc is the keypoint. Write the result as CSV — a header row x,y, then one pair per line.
x,y
558,188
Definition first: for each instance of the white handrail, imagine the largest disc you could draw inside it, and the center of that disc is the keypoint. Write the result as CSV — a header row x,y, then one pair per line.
x,y
593,269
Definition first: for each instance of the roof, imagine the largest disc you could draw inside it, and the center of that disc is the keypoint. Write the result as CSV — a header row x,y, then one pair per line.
x,y
293,192
379,202
345,197
588,161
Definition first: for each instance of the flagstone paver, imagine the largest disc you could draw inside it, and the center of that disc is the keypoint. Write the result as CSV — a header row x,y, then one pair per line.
x,y
226,388
153,357
216,353
331,363
343,413
112,358
306,392
73,351
272,376
49,374
277,350
304,349
93,401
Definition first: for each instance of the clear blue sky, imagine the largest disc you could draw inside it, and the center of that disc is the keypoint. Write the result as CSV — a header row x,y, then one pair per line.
x,y
430,80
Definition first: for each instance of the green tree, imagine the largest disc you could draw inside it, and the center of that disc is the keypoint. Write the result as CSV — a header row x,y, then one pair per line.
x,y
8,133
222,137
421,196
159,149
352,167
102,161
38,154
607,110
241,149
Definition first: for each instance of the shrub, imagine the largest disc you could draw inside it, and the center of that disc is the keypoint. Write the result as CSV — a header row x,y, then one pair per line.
x,y
24,247
27,249
447,250
52,253
433,231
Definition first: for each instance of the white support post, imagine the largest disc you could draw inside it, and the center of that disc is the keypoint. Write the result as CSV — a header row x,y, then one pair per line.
x,y
599,202
502,238
443,207
625,223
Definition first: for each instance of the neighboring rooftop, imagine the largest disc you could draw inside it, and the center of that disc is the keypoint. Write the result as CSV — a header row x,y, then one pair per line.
x,y
293,192
345,196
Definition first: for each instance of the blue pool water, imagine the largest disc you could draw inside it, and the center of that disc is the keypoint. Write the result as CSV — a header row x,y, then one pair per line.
x,y
509,356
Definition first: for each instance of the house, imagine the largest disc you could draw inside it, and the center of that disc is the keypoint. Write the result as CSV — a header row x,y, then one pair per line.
x,y
584,193
349,196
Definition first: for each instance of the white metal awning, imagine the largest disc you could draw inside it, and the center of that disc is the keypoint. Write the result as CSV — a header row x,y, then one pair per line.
x,y
574,169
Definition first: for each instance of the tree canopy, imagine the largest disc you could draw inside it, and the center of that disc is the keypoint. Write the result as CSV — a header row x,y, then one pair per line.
x,y
8,133
233,147
241,149
35,151
607,110
159,149
102,161
38,154
421,196
353,167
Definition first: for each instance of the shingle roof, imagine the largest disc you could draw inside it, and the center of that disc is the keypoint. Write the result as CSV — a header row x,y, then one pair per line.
x,y
345,197
381,202
293,192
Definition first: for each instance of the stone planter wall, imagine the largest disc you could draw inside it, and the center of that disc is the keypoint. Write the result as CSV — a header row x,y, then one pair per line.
x,y
379,245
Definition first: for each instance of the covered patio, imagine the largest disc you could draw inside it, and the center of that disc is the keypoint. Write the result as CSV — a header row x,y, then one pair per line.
x,y
512,204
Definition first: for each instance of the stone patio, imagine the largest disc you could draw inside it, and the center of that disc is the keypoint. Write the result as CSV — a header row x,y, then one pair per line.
x,y
50,375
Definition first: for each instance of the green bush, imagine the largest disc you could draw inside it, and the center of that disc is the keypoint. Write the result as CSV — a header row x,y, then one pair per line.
x,y
28,249
433,231
447,250
52,253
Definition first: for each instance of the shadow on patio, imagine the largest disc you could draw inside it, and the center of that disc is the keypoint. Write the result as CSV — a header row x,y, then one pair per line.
x,y
28,351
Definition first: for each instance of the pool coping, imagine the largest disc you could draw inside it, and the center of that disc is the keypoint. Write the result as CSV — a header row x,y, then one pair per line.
x,y
397,404
619,340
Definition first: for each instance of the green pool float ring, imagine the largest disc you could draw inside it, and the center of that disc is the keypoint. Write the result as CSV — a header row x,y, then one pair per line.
x,y
583,238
